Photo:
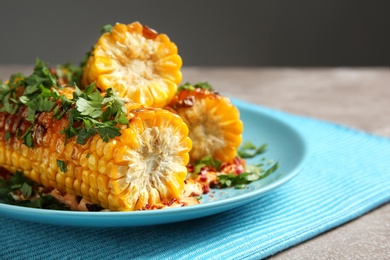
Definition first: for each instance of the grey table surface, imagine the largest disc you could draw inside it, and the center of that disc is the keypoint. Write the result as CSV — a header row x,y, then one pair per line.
x,y
354,97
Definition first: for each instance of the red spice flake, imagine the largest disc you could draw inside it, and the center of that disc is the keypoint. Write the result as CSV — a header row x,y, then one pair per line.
x,y
146,207
149,33
206,189
194,194
190,168
239,169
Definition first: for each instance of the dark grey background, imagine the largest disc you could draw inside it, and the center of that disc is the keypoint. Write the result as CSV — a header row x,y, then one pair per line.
x,y
207,33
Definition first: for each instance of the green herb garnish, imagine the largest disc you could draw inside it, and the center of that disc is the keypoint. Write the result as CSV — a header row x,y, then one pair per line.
x,y
17,185
70,73
62,165
85,110
253,173
106,28
87,119
201,85
249,150
238,180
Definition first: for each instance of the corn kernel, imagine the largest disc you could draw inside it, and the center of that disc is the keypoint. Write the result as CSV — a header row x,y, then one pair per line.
x,y
102,183
93,179
93,161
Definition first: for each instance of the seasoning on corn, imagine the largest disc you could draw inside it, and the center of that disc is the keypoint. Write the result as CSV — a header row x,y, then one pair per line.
x,y
128,156
214,122
137,62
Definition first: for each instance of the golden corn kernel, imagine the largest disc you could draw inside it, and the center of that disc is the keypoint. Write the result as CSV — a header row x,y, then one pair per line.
x,y
103,197
15,159
108,150
94,195
137,63
93,161
25,163
85,176
102,183
69,183
93,179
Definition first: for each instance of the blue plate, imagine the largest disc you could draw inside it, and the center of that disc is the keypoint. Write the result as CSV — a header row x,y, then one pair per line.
x,y
285,145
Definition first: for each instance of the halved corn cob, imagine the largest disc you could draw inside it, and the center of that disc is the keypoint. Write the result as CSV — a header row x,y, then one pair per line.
x,y
142,166
137,62
214,122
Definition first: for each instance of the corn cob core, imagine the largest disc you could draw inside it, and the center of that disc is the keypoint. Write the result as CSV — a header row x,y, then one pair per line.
x,y
145,165
214,123
138,63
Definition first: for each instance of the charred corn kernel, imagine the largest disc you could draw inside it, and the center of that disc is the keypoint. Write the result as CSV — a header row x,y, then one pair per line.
x,y
145,165
137,62
214,123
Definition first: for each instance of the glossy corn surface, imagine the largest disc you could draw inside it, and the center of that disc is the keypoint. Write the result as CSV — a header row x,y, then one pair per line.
x,y
144,165
137,62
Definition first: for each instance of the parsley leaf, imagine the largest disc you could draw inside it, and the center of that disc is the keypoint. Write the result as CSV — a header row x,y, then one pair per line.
x,y
71,74
28,138
201,85
62,165
32,197
207,160
240,180
107,133
106,28
89,112
249,150
97,114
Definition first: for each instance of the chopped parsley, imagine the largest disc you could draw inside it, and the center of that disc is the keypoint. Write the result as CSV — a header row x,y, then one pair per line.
x,y
88,118
245,173
207,161
89,112
201,85
21,191
70,74
62,165
249,150
252,173
106,28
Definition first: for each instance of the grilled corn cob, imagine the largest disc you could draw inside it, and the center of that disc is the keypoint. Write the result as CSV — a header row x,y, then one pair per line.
x,y
143,165
214,122
137,62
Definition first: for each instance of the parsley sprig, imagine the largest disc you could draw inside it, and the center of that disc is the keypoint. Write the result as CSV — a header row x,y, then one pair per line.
x,y
200,85
70,73
89,112
253,173
249,150
94,114
250,174
37,94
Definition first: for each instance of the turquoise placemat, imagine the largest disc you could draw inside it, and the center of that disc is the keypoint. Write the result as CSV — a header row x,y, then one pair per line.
x,y
347,175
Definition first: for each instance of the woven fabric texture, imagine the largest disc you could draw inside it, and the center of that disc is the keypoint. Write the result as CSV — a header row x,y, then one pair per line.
x,y
347,174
